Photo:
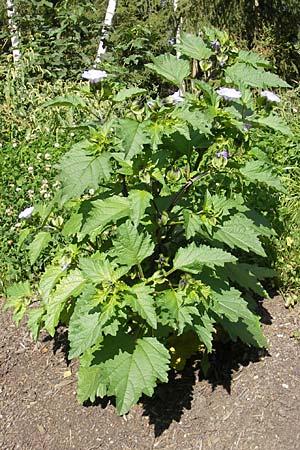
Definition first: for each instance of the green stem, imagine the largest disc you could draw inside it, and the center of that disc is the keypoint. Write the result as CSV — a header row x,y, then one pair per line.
x,y
141,273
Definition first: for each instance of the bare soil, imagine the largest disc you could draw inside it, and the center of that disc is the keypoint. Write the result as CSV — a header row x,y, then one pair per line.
x,y
250,401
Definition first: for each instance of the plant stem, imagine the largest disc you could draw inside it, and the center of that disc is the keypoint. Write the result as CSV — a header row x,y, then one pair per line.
x,y
186,188
141,273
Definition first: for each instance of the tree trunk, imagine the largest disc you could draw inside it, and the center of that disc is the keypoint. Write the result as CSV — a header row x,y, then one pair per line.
x,y
13,31
175,6
110,12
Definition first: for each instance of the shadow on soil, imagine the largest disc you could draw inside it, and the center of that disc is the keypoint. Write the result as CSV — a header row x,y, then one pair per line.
x,y
171,399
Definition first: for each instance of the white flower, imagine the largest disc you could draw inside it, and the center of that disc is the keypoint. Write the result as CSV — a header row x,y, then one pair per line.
x,y
270,96
176,98
30,169
94,75
229,93
14,145
56,145
26,213
47,156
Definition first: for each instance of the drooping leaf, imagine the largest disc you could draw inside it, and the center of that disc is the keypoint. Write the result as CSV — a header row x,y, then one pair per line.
x,y
174,311
38,244
261,171
140,200
248,330
84,330
90,383
230,304
247,276
192,258
48,280
127,93
129,375
105,211
81,169
193,46
140,299
35,322
130,246
254,77
238,232
70,286
173,69
133,136
274,122
67,100
204,327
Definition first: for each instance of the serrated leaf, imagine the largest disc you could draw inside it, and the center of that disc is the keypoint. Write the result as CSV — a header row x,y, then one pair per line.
x,y
90,383
254,77
105,211
253,58
274,122
131,375
131,247
67,100
126,93
192,223
245,277
38,244
81,169
84,330
193,46
98,269
18,298
35,321
229,303
173,69
140,200
140,299
238,232
48,280
197,119
178,315
204,327
262,172
70,286
73,225
192,258
133,136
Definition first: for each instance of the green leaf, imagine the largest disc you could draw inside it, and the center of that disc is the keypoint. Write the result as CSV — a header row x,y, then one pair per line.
x,y
247,276
239,232
48,280
73,225
192,258
133,136
192,223
274,122
174,312
67,100
98,269
262,172
84,330
18,298
197,119
35,321
140,299
70,286
249,331
40,242
229,303
126,93
193,46
254,77
90,383
140,200
130,247
173,69
105,211
204,327
253,58
81,169
131,375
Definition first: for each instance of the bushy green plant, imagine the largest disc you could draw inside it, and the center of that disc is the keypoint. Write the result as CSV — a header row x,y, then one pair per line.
x,y
158,241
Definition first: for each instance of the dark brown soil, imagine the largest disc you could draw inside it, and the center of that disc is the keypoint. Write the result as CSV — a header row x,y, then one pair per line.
x,y
251,400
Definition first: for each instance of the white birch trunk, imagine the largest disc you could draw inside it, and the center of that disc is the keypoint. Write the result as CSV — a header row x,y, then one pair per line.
x,y
13,30
110,12
175,6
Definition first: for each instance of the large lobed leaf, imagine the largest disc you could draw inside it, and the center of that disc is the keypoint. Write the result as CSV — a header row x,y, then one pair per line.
x,y
193,46
261,171
192,258
254,77
173,69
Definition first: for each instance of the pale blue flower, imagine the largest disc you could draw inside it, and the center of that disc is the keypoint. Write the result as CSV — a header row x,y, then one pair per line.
x,y
224,154
216,45
229,93
270,96
94,75
176,98
27,213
